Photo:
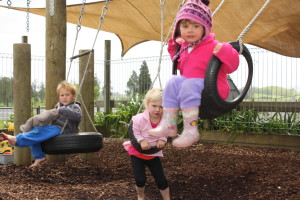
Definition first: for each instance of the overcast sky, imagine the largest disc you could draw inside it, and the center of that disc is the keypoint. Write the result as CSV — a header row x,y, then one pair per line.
x,y
14,23
272,70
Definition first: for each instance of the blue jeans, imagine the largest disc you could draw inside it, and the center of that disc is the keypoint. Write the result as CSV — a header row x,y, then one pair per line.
x,y
35,137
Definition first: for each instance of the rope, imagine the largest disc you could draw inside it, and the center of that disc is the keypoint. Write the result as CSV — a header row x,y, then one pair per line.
x,y
163,43
218,8
246,29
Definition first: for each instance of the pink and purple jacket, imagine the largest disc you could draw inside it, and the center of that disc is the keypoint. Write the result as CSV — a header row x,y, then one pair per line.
x,y
194,64
141,126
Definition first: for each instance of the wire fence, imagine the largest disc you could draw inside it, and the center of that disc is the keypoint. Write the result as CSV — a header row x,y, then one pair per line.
x,y
274,86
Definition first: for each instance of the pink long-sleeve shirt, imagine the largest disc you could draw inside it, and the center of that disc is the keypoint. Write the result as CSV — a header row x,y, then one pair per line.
x,y
194,64
141,126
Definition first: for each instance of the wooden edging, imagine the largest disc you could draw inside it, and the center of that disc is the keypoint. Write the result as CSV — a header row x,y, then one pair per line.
x,y
291,142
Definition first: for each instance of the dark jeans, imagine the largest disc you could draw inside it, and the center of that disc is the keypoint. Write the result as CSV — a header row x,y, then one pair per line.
x,y
156,169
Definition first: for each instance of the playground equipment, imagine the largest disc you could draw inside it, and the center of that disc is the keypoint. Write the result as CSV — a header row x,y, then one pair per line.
x,y
212,105
83,142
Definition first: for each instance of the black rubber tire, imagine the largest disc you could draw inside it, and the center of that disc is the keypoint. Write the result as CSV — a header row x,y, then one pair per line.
x,y
212,105
84,142
137,145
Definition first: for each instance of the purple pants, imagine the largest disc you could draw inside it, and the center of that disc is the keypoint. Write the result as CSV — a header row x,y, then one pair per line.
x,y
182,92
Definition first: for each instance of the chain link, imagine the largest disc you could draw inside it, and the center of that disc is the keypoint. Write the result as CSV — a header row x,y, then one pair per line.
x,y
103,14
9,3
27,16
51,8
78,28
81,15
104,11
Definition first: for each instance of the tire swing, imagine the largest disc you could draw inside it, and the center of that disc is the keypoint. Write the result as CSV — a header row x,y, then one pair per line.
x,y
212,105
137,145
132,138
83,142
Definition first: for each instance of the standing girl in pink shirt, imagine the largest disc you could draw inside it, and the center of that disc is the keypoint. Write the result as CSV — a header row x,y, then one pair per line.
x,y
142,123
197,45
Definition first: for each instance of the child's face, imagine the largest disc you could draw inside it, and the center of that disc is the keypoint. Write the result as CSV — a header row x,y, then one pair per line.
x,y
191,31
66,97
155,109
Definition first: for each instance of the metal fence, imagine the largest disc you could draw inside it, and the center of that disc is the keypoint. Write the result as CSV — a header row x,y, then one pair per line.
x,y
274,86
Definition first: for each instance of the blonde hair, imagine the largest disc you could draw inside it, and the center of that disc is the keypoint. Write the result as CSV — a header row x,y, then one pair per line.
x,y
152,95
67,86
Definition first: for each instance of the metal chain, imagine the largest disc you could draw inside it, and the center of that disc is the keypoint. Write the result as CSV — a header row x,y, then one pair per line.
x,y
9,3
78,28
80,16
104,12
51,8
27,16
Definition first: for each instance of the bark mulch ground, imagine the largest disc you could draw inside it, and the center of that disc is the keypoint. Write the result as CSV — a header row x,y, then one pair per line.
x,y
203,171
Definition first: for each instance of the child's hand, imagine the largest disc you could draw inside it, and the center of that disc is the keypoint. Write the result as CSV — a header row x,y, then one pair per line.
x,y
145,145
160,144
217,47
179,40
1,136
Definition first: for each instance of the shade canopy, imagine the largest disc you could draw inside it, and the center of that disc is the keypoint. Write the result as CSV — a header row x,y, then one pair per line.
x,y
135,21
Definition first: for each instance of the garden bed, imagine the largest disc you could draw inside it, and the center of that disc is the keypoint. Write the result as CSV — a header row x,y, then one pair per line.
x,y
253,139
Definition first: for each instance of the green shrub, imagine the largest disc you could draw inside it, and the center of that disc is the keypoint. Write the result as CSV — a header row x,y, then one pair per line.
x,y
258,122
122,113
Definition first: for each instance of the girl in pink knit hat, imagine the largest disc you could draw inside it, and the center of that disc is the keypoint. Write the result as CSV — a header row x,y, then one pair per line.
x,y
197,45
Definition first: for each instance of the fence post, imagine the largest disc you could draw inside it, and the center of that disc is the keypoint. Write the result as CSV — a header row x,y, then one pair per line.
x,y
107,52
38,110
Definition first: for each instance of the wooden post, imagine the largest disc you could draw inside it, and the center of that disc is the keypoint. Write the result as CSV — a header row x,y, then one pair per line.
x,y
87,94
107,52
55,49
22,96
56,30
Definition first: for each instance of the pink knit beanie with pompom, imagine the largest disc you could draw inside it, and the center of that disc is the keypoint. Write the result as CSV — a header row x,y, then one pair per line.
x,y
197,11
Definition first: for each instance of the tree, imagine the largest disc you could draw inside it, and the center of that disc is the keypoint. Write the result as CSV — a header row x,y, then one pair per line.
x,y
38,94
97,88
34,93
133,85
144,79
41,93
6,91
